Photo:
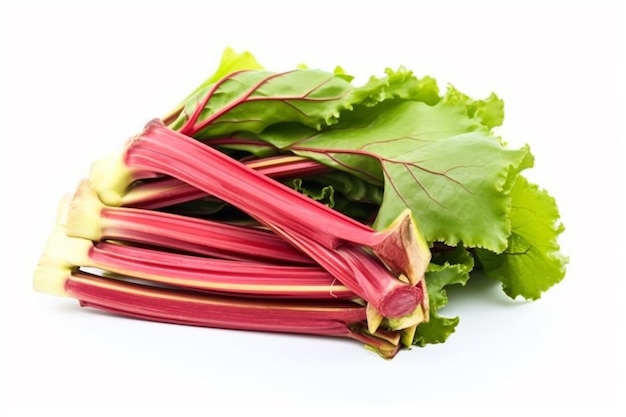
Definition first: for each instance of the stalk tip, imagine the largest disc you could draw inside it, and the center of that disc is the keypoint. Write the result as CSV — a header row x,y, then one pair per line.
x,y
401,301
408,335
374,318
412,319
403,248
51,280
83,218
63,251
111,177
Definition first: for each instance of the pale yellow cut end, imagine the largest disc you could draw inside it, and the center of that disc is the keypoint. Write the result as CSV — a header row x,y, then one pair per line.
x,y
63,210
111,178
392,337
374,318
83,217
408,335
412,319
51,280
415,242
404,248
65,251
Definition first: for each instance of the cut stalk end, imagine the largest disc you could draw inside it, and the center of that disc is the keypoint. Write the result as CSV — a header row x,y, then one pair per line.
x,y
408,335
374,318
403,248
51,280
111,177
83,219
61,250
412,319
384,343
401,301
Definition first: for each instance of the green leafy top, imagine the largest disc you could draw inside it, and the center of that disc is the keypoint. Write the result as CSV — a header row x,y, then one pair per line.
x,y
433,159
435,154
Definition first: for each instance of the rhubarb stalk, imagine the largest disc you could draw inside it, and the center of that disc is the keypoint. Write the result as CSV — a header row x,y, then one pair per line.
x,y
193,272
167,191
354,267
161,191
89,218
160,149
340,319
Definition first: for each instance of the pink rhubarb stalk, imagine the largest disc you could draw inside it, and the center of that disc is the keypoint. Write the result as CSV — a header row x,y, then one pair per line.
x,y
339,319
168,191
254,279
165,151
355,268
150,190
89,218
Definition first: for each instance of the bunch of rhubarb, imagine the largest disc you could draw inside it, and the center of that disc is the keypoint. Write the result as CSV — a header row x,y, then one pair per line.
x,y
299,202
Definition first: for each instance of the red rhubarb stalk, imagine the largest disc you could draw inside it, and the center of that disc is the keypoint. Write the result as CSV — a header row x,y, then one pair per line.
x,y
165,151
89,218
168,191
340,319
355,267
249,278
254,279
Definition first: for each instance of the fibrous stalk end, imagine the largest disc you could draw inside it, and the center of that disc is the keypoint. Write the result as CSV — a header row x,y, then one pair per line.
x,y
400,301
374,318
412,319
403,248
61,253
408,335
50,279
381,342
111,177
83,219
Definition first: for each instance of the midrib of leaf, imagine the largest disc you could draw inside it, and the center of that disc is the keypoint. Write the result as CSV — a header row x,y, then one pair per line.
x,y
384,163
189,127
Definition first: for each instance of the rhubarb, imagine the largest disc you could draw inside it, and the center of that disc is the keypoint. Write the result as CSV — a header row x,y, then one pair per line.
x,y
89,218
359,270
162,150
168,191
191,272
340,319
401,247
270,185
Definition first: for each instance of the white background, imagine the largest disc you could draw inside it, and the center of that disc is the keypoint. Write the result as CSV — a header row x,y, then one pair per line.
x,y
79,78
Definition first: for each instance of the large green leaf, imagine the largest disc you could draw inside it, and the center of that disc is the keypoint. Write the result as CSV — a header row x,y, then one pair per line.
x,y
532,262
251,100
436,160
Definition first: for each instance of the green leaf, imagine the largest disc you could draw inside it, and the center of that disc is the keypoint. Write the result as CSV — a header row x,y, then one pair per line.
x,y
456,188
250,101
532,262
253,100
435,160
448,269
